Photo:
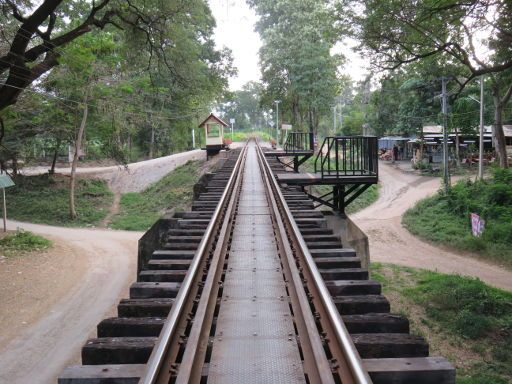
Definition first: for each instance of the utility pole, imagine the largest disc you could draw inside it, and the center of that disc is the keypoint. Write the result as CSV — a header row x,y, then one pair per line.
x,y
277,120
446,174
481,151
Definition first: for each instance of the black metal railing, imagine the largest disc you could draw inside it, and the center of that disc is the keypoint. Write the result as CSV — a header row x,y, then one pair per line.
x,y
348,156
299,141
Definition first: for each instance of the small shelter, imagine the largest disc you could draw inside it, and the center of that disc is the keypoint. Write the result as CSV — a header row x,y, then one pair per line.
x,y
214,134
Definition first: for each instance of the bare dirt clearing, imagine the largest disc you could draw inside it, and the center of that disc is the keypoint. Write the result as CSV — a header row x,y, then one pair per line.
x,y
52,301
391,243
50,308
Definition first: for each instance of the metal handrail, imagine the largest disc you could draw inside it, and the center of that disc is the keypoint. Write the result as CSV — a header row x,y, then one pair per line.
x,y
170,326
352,156
298,141
342,335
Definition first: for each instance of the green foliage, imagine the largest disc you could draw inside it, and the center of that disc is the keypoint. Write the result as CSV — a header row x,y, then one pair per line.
x,y
244,106
139,211
462,311
366,199
242,136
466,306
445,218
44,199
296,62
142,86
21,242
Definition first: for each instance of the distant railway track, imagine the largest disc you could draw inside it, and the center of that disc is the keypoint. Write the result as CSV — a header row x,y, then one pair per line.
x,y
252,286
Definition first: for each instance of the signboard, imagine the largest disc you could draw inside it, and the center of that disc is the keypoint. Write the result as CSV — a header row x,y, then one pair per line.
x,y
477,225
6,181
232,121
286,127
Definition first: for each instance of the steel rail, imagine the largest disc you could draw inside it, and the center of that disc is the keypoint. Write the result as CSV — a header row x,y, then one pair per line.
x,y
316,364
350,357
190,369
168,333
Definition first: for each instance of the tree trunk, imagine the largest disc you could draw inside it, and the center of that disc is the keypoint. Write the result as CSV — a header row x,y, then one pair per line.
x,y
296,113
55,155
14,164
497,128
152,142
78,145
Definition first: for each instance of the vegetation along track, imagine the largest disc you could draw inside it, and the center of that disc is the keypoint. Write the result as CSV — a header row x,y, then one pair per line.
x,y
251,286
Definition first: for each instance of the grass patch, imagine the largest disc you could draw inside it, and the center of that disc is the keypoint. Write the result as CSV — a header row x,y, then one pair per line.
x,y
445,218
45,200
244,135
366,199
23,242
139,211
464,319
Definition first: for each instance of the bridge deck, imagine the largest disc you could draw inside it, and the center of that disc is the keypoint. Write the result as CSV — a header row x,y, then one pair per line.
x,y
283,153
307,178
253,340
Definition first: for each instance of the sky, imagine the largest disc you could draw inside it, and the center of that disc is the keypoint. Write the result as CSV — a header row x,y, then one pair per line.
x,y
235,30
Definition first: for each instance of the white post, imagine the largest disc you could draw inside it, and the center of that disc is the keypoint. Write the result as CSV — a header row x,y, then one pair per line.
x,y
481,152
277,120
193,139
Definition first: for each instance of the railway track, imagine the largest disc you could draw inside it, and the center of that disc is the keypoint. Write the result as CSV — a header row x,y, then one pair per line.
x,y
252,286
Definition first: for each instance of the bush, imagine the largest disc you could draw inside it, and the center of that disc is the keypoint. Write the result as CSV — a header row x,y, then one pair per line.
x,y
445,218
23,241
466,305
422,165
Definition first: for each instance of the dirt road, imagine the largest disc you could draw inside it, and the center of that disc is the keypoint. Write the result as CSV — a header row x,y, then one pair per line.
x,y
98,268
391,243
134,177
51,302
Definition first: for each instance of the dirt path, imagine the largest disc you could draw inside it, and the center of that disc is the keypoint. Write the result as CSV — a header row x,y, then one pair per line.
x,y
134,177
391,243
114,210
51,302
48,319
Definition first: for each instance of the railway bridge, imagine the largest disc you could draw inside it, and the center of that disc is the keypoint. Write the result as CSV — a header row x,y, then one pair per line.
x,y
253,286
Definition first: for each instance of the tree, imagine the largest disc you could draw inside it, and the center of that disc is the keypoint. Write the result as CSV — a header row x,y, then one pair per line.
x,y
244,106
395,33
296,62
37,33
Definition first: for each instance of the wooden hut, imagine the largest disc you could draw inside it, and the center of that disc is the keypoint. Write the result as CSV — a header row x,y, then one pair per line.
x,y
214,134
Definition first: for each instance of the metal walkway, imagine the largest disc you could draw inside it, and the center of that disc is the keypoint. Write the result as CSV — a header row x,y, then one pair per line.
x,y
255,338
